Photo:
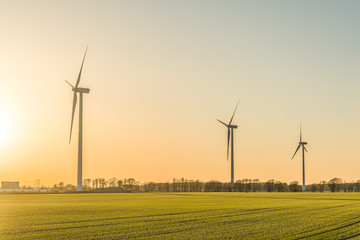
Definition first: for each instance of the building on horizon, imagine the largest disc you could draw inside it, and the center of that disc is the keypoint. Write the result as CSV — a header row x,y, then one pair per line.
x,y
10,185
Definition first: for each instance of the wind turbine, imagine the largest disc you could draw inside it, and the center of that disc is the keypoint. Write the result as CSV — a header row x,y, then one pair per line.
x,y
302,144
230,131
80,90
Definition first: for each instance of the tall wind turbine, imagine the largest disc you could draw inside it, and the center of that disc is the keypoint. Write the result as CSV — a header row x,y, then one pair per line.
x,y
230,130
81,91
302,144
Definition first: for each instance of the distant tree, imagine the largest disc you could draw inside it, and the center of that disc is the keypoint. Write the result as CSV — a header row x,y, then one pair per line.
x,y
96,183
133,185
111,183
86,184
120,183
186,185
280,187
294,186
128,185
61,187
248,185
334,184
167,187
198,186
322,186
175,185
243,185
213,186
237,186
313,187
269,185
256,185
225,187
357,186
102,182
348,187
191,185
149,187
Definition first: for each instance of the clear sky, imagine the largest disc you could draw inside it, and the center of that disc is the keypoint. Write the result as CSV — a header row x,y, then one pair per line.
x,y
162,72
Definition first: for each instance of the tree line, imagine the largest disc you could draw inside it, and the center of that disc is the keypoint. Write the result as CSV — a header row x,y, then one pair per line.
x,y
186,185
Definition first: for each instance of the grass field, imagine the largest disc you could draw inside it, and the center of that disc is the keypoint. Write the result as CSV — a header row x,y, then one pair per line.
x,y
180,216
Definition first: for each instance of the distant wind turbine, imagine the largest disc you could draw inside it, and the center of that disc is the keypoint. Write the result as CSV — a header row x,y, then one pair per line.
x,y
76,90
230,132
302,144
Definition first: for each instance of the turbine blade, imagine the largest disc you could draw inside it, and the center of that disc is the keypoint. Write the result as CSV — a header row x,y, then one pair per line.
x,y
234,112
82,64
305,148
222,122
228,144
69,84
73,112
295,152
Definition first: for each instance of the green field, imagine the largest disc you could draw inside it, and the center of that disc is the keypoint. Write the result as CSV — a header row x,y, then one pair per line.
x,y
180,216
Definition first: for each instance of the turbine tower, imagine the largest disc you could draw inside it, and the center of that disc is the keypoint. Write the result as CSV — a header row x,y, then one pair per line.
x,y
230,130
302,144
81,91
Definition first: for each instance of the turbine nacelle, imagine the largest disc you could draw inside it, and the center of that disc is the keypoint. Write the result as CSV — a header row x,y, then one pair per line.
x,y
303,143
81,90
232,126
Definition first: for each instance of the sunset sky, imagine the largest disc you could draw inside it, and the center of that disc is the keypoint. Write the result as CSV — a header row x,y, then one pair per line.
x,y
162,72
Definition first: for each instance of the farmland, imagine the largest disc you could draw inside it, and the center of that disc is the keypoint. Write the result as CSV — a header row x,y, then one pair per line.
x,y
180,216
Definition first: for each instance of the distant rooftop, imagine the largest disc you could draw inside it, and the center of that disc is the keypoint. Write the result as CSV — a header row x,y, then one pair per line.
x,y
10,185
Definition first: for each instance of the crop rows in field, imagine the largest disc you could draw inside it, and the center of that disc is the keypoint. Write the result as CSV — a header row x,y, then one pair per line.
x,y
180,216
